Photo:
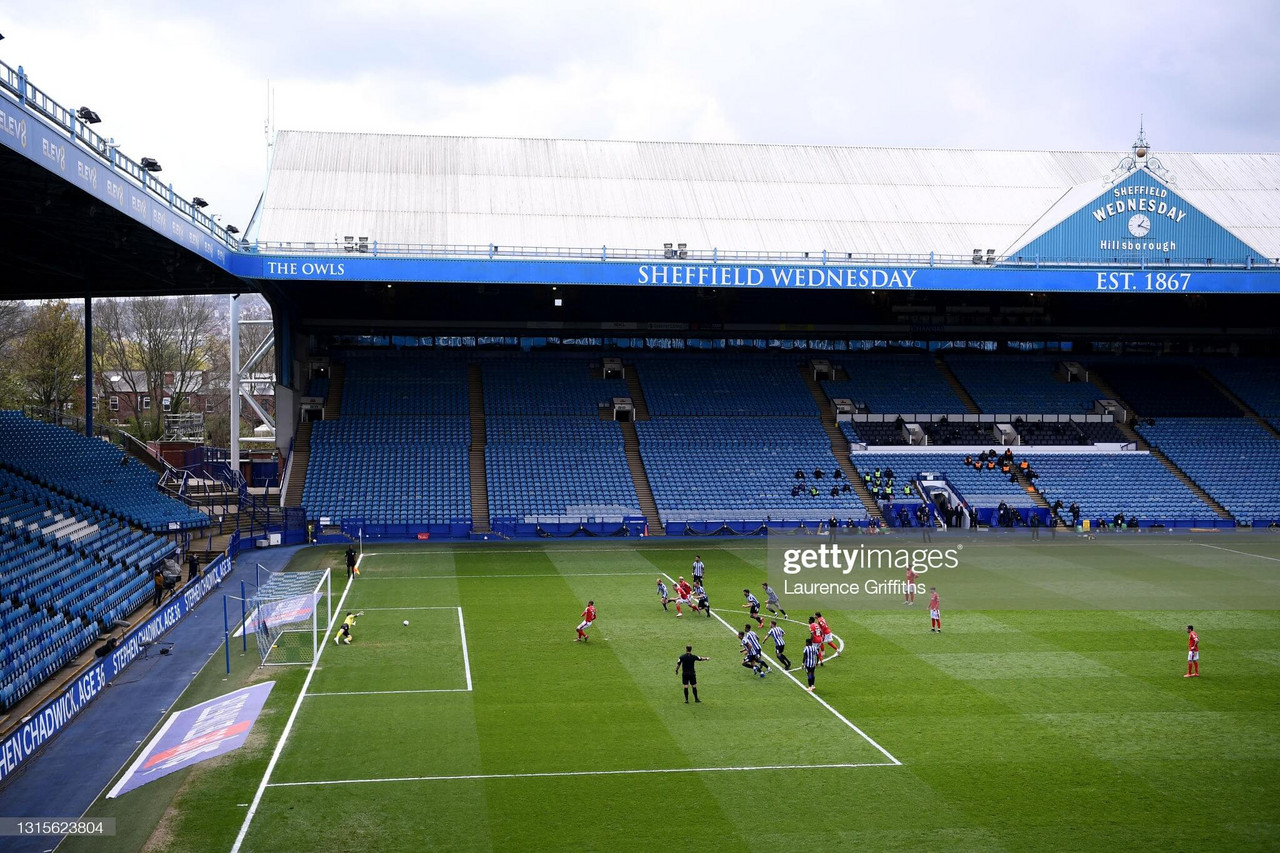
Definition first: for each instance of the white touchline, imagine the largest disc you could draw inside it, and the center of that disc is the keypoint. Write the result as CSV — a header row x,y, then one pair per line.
x,y
841,717
571,773
288,726
392,692
394,609
466,659
1241,553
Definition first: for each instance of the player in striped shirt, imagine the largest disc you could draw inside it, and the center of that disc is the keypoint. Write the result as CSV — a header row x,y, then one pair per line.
x,y
588,616
1193,653
812,659
779,638
662,593
771,602
698,568
753,603
752,653
700,598
815,636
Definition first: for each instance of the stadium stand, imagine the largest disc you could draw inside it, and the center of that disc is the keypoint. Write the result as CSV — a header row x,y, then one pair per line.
x,y
1233,459
549,456
895,383
1254,380
1132,483
1021,383
92,471
67,572
1156,390
982,490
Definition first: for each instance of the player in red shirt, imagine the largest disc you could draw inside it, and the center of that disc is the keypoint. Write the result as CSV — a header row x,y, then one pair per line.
x,y
1193,653
935,612
816,633
909,596
684,595
588,616
824,633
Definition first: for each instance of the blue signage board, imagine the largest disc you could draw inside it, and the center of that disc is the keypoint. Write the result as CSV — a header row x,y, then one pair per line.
x,y
1024,278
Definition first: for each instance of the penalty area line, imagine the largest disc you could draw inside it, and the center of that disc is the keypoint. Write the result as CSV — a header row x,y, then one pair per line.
x,y
841,717
574,773
1241,553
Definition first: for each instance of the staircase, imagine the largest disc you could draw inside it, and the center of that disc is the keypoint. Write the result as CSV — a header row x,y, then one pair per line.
x,y
1142,444
1030,489
640,477
954,381
333,404
840,445
298,462
479,438
636,392
1239,403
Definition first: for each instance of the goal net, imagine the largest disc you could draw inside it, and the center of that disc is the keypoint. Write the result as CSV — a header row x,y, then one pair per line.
x,y
290,616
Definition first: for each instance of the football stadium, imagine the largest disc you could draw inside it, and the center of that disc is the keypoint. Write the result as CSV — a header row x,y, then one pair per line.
x,y
646,495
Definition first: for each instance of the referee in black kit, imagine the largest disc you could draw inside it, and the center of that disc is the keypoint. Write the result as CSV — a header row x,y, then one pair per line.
x,y
688,676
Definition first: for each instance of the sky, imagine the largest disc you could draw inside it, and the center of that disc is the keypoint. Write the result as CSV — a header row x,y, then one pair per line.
x,y
187,83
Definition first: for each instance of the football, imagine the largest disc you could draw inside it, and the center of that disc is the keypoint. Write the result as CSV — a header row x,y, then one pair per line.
x,y
406,622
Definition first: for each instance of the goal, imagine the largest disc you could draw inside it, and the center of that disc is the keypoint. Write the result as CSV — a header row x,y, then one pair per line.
x,y
290,616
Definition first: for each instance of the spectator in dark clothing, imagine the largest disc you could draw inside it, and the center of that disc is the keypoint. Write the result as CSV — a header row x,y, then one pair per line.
x,y
799,474
968,460
835,491
1132,524
193,565
845,489
888,473
795,491
1118,520
1035,525
817,473
904,520
1075,514
158,581
837,474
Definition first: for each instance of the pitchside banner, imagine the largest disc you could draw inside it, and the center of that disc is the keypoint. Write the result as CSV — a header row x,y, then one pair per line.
x,y
195,734
55,714
286,612
1135,572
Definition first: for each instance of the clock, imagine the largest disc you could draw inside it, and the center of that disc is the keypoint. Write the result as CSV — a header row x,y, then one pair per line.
x,y
1139,225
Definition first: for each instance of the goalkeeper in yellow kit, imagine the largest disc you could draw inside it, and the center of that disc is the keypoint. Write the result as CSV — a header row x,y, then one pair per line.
x,y
344,630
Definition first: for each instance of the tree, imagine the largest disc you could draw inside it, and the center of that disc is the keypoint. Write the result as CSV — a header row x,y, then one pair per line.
x,y
51,357
147,340
13,321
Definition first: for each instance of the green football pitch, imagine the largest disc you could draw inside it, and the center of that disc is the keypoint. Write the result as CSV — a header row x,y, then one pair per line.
x,y
482,725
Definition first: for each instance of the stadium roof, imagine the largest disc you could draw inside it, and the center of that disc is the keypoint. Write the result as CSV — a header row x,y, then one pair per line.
x,y
451,191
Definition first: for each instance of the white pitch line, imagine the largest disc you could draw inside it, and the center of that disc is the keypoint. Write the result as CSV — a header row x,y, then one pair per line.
x,y
839,650
1241,553
288,727
391,692
573,773
841,717
466,659
394,609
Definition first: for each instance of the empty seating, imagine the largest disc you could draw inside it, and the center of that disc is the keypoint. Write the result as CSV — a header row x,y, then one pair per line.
x,y
1172,389
1104,484
549,457
93,471
1025,384
888,384
398,452
1235,460
1254,380
732,385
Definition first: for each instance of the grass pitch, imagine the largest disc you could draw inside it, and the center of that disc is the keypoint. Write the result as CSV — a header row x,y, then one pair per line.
x,y
1015,730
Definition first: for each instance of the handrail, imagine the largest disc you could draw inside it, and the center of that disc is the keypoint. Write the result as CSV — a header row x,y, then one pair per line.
x,y
37,101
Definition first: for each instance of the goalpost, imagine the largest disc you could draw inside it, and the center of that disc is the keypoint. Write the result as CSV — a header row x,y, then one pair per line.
x,y
290,616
